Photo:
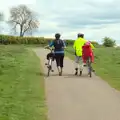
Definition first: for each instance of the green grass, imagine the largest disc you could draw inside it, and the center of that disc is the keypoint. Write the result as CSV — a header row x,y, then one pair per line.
x,y
21,85
107,64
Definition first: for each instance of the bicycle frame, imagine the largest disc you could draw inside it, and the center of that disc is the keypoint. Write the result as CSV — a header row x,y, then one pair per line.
x,y
49,65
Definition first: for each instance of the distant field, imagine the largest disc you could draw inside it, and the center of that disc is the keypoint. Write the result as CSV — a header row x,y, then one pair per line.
x,y
107,64
21,85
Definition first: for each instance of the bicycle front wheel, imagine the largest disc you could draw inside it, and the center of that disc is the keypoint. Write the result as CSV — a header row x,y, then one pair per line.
x,y
48,72
49,67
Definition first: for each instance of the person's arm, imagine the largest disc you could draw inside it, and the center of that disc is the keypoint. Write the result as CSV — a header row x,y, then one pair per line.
x,y
50,45
74,46
64,45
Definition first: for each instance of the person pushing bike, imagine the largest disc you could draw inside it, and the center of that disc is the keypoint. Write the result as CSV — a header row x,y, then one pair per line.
x,y
59,46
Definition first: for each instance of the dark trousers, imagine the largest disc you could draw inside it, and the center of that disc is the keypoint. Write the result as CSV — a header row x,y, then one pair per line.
x,y
59,60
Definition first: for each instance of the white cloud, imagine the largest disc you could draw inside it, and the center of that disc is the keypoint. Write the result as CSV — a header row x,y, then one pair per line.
x,y
7,4
96,19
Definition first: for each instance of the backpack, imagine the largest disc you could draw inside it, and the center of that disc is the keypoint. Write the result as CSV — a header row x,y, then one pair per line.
x,y
58,45
86,50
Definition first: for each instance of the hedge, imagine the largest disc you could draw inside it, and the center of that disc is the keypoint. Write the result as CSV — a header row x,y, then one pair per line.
x,y
5,39
71,42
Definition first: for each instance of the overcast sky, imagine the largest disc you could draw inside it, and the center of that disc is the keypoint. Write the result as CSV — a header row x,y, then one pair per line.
x,y
95,18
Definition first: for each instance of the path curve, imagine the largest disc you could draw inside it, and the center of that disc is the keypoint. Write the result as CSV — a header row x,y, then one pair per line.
x,y
78,98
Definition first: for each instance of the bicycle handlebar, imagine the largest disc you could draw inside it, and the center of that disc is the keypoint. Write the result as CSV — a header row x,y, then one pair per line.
x,y
51,49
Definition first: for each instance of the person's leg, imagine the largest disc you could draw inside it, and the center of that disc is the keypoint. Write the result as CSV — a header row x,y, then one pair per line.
x,y
57,62
76,64
61,63
80,64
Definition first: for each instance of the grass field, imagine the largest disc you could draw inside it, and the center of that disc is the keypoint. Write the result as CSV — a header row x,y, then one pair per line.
x,y
107,64
21,85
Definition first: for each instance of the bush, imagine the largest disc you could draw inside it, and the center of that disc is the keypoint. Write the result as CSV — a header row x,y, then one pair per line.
x,y
69,42
108,42
96,44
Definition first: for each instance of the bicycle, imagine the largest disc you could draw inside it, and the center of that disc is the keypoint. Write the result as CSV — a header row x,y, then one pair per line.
x,y
88,63
50,60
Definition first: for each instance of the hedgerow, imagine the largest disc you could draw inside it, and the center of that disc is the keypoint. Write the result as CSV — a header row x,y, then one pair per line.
x,y
5,39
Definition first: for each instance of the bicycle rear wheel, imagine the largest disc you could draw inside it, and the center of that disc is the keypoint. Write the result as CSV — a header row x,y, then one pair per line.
x,y
90,72
89,67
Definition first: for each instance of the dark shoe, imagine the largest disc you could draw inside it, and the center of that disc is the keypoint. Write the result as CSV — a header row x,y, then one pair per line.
x,y
84,65
76,73
60,73
52,70
80,73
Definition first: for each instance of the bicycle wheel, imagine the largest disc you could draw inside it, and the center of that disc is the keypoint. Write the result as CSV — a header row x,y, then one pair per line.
x,y
48,71
49,66
90,72
89,67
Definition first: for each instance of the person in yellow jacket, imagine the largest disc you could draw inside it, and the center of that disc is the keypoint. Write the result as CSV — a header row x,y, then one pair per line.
x,y
78,44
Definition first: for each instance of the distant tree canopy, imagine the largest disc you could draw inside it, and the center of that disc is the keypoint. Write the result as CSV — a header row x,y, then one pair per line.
x,y
108,42
23,20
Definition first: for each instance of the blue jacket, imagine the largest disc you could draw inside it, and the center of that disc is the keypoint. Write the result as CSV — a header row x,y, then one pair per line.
x,y
58,45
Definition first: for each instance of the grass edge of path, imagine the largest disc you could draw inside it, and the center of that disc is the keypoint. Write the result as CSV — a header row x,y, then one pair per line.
x,y
43,83
21,84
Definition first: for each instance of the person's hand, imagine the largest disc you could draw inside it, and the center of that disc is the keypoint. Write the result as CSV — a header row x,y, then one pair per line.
x,y
46,47
64,47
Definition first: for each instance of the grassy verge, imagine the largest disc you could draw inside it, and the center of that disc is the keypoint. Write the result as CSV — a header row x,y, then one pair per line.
x,y
107,64
21,86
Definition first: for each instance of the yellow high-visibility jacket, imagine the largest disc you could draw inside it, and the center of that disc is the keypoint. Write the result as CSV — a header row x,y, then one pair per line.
x,y
78,44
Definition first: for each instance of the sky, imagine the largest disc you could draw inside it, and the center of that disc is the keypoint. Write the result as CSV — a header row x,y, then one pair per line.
x,y
95,18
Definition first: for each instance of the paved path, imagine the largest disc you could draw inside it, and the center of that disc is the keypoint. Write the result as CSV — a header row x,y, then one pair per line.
x,y
78,98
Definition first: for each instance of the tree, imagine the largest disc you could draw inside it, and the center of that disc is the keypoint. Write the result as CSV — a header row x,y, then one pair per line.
x,y
108,42
23,19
